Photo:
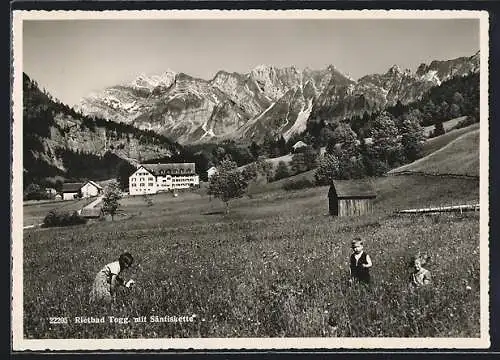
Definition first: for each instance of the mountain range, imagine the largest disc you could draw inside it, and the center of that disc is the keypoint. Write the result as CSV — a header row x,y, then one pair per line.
x,y
266,100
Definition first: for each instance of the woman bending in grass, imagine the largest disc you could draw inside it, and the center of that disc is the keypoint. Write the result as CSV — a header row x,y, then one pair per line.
x,y
107,280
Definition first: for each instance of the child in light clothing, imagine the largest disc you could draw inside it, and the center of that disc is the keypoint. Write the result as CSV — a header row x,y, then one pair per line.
x,y
360,263
420,276
108,279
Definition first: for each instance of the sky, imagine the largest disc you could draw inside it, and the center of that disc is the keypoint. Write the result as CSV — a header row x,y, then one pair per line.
x,y
72,58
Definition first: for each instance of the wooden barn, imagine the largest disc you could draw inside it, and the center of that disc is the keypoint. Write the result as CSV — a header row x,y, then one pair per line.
x,y
92,213
351,197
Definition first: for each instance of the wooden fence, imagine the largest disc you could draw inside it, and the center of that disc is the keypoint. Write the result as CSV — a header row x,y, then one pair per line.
x,y
439,209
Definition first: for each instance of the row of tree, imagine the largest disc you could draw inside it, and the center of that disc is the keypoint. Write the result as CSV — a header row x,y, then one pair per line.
x,y
390,146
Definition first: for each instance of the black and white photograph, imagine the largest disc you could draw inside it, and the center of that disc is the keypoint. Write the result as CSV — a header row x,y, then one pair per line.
x,y
250,179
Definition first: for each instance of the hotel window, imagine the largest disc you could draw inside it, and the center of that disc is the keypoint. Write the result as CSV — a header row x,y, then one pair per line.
x,y
150,184
150,179
134,185
141,184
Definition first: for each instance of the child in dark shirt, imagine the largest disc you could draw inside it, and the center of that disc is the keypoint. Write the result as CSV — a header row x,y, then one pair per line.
x,y
360,263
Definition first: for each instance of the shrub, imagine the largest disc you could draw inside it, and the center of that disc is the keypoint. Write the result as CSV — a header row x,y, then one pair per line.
x,y
282,171
469,120
54,218
438,130
298,184
35,192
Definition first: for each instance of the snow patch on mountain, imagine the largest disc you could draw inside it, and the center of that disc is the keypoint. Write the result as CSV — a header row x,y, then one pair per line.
x,y
254,120
208,132
301,121
431,75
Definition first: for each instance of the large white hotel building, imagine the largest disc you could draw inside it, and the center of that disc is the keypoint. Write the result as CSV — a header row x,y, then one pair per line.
x,y
154,178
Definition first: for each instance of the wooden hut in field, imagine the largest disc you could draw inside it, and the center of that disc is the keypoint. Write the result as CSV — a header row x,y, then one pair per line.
x,y
91,213
351,197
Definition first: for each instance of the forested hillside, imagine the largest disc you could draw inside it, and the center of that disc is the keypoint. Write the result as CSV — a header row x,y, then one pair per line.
x,y
60,143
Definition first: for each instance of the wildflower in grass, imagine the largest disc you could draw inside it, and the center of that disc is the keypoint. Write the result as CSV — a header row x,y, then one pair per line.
x,y
108,279
360,263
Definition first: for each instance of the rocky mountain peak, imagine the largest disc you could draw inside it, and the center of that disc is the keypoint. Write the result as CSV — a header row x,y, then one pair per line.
x,y
262,68
394,69
150,82
422,69
222,76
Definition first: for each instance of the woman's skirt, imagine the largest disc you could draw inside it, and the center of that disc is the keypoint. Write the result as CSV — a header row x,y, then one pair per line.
x,y
101,289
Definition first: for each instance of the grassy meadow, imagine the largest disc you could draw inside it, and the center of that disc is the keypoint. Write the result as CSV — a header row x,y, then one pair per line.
x,y
275,265
436,143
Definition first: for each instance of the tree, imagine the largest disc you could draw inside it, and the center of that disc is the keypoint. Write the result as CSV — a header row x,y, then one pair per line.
x,y
240,154
281,146
458,98
35,192
327,170
412,137
111,199
264,168
268,144
124,170
250,172
386,149
202,163
304,161
429,111
455,111
325,136
228,183
345,137
444,110
350,167
219,154
282,171
255,150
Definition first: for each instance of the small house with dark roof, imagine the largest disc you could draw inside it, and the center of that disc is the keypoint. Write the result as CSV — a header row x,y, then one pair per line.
x,y
71,190
91,188
76,190
351,197
154,178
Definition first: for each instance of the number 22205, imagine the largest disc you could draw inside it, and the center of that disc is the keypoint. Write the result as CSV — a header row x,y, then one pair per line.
x,y
58,320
